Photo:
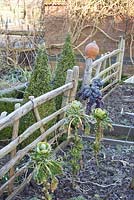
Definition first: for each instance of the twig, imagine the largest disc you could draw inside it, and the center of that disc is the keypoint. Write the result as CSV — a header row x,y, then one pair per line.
x,y
124,163
109,140
102,31
97,184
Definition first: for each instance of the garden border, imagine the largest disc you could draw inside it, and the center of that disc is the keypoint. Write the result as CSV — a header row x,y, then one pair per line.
x,y
121,130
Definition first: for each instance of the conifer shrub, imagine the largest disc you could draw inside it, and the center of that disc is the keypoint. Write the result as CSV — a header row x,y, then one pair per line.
x,y
65,62
40,84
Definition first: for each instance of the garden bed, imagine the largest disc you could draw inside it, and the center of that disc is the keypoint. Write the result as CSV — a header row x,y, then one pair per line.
x,y
121,132
122,97
110,180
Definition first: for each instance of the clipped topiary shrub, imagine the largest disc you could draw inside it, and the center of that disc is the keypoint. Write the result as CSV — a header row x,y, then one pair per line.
x,y
40,84
65,62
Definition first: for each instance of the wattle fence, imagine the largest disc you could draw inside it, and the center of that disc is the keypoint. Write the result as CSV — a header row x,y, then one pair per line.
x,y
104,68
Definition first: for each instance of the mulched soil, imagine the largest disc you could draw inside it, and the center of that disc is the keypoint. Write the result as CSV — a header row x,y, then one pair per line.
x,y
118,99
110,180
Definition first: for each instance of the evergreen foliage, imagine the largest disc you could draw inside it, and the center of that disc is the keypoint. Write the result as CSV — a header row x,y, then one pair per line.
x,y
40,84
65,62
6,133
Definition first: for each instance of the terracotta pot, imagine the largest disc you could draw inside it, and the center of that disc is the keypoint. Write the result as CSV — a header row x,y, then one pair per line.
x,y
91,50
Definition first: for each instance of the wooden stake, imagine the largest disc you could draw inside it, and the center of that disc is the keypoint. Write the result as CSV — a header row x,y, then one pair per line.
x,y
13,153
75,81
37,115
66,94
120,56
87,72
3,114
11,100
98,69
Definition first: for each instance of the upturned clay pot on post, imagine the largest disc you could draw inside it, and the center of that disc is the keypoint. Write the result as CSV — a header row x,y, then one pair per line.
x,y
91,51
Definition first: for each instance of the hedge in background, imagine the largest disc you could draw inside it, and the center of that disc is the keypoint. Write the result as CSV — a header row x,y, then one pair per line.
x,y
40,84
66,61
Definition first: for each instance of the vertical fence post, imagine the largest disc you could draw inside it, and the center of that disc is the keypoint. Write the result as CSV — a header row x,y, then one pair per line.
x,y
13,153
69,78
36,114
91,51
120,56
98,69
3,114
75,80
87,72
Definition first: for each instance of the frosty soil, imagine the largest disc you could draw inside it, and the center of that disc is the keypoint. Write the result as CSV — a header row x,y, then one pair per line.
x,y
121,97
108,181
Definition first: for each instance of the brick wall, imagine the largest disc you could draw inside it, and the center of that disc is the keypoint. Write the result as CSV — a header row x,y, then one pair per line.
x,y
57,26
